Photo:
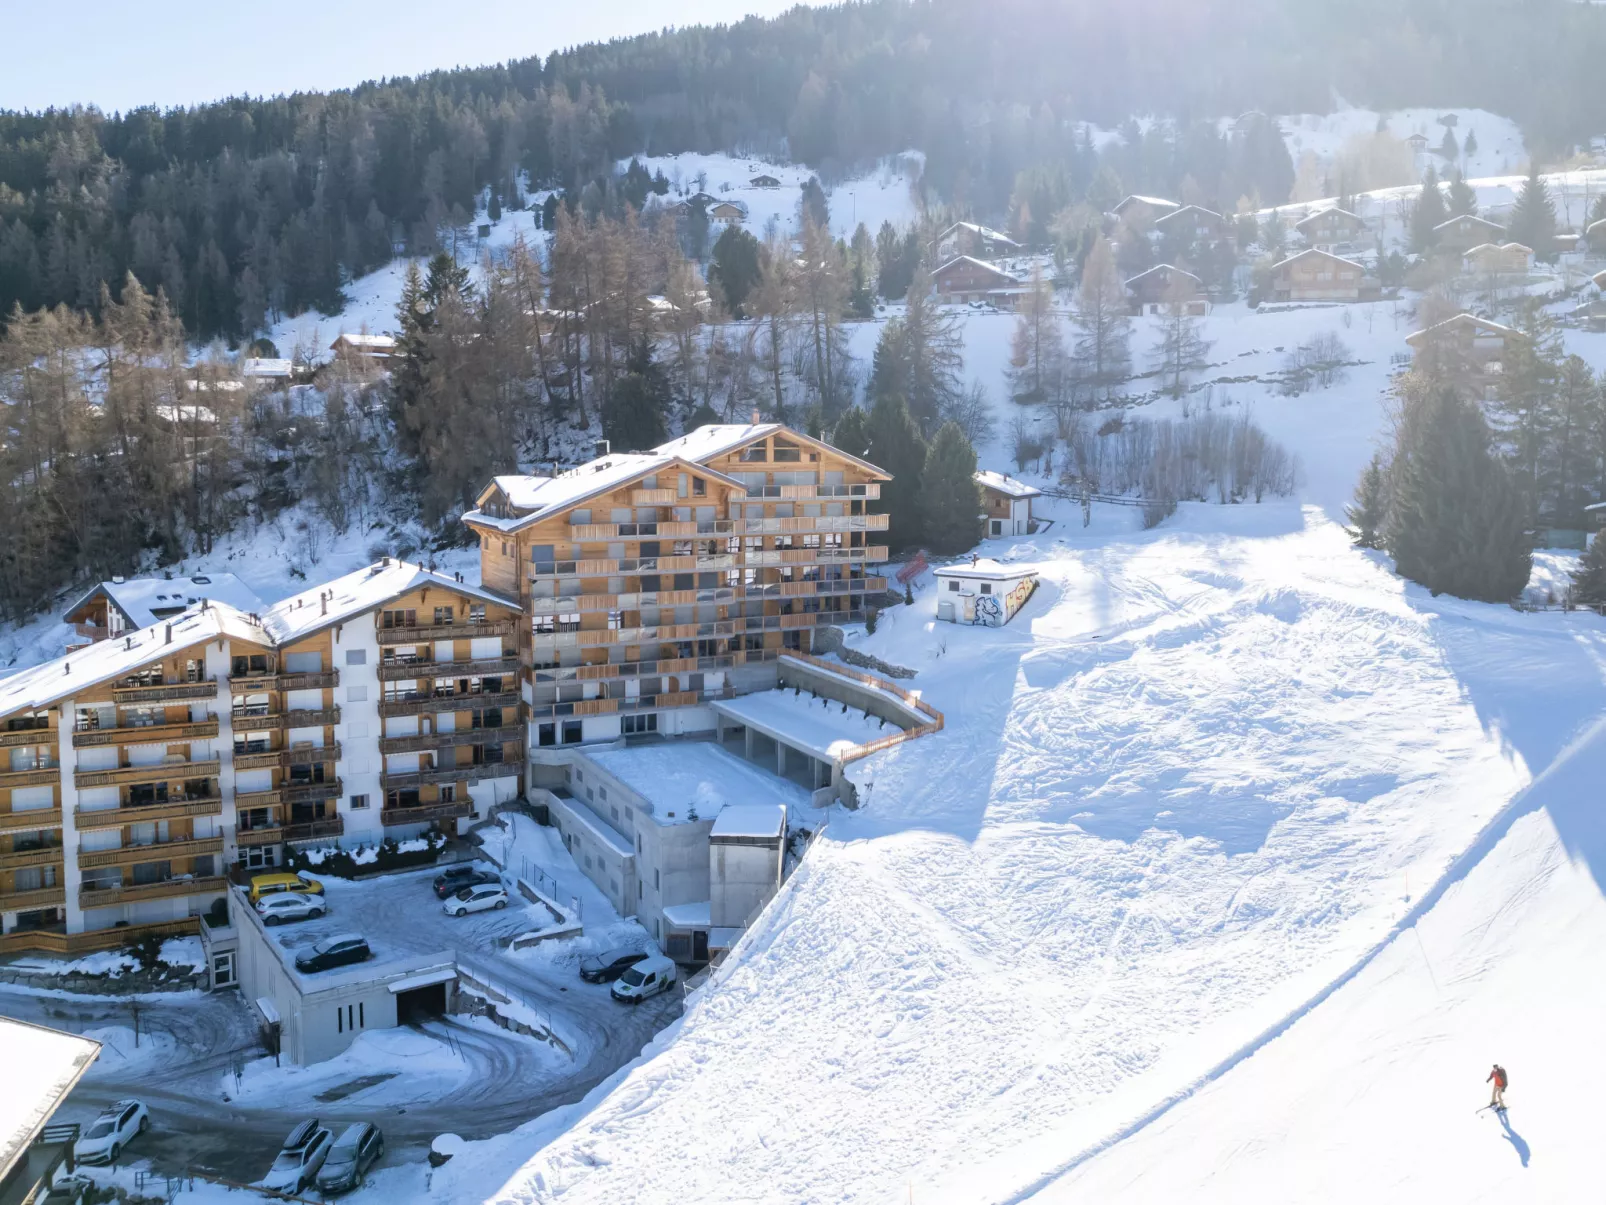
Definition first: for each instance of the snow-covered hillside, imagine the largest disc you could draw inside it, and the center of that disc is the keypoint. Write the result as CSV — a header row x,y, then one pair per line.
x,y
1500,147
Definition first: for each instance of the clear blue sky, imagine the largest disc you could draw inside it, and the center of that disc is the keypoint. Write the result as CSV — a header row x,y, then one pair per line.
x,y
118,54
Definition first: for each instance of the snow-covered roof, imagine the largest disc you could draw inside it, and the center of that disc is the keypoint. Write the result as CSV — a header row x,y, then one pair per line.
x,y
367,343
43,1066
106,660
1172,268
1462,218
716,439
980,263
544,497
1317,251
1006,484
822,727
986,569
698,776
750,820
1176,213
145,600
1483,249
1140,199
356,593
1331,210
1483,324
986,232
690,916
266,368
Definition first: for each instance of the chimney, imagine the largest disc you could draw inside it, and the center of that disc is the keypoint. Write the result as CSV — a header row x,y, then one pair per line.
x,y
600,449
169,633
385,561
755,416
324,598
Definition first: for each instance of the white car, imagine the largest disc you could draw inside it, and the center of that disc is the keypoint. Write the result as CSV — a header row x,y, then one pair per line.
x,y
289,906
109,1133
476,899
300,1158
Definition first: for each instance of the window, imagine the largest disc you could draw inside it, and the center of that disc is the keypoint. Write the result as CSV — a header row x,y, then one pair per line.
x,y
655,880
634,725
356,694
571,732
476,613
699,488
787,451
953,587
356,656
399,619
448,794
443,616
986,588
359,803
753,453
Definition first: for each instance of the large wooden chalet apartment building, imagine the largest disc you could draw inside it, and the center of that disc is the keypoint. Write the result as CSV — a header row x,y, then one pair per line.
x,y
657,581
619,597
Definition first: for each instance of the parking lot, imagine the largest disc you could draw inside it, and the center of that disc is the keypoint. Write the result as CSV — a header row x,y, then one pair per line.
x,y
477,1082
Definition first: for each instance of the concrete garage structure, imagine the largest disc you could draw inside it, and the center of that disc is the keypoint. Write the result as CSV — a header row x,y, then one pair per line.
x,y
746,855
309,1018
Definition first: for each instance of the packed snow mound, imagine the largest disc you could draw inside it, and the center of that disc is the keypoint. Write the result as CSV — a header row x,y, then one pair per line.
x,y
1377,1094
1192,783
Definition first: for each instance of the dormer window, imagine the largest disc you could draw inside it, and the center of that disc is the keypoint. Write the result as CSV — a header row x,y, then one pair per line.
x,y
787,451
754,452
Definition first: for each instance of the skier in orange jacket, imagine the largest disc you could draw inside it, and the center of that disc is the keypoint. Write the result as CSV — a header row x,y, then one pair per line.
x,y
1497,1097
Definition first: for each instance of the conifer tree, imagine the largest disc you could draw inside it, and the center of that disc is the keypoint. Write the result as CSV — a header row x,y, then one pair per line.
x,y
1036,351
735,270
950,498
895,445
1428,213
918,357
1103,350
1368,512
851,433
1469,148
1181,350
633,414
1461,199
1533,218
1589,579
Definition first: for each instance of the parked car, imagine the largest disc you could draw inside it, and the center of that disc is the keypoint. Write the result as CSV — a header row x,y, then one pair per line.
x,y
465,874
300,1158
273,884
69,1190
476,899
648,977
109,1133
605,968
289,906
354,1152
342,949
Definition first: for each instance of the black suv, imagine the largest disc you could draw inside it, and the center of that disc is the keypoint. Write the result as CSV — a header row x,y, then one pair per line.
x,y
353,1153
463,875
605,968
342,949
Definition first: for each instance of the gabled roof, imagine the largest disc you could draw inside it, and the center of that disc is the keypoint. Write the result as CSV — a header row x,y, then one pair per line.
x,y
1005,484
43,1066
1317,251
1469,217
363,342
1139,198
1328,212
546,497
980,263
357,593
1482,324
106,660
985,232
1177,213
144,600
1169,268
720,439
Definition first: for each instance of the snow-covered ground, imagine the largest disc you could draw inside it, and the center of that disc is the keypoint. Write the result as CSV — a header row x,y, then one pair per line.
x,y
1500,147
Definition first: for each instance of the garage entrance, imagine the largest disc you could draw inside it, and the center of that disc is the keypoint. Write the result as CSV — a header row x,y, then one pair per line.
x,y
421,1004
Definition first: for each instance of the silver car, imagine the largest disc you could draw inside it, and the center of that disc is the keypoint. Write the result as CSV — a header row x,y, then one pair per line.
x,y
290,906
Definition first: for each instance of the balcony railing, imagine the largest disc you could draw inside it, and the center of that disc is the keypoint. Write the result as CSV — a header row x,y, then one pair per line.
x,y
402,671
18,859
331,826
35,819
27,901
663,497
435,703
321,718
167,771
451,740
57,940
584,707
132,893
274,758
423,813
311,680
467,773
36,776
170,692
153,734
160,851
424,633
146,813
27,736
312,792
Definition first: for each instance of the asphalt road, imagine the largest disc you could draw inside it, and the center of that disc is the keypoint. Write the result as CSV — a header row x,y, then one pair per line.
x,y
193,1128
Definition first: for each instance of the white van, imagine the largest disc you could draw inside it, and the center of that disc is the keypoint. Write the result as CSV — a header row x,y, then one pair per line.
x,y
651,975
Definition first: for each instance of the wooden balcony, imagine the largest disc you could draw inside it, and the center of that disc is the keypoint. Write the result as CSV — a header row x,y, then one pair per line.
x,y
331,826
276,758
400,671
25,821
443,774
167,771
451,740
425,633
254,683
27,736
50,855
171,692
508,698
664,497
424,813
322,718
39,776
58,941
314,792
28,901
164,851
133,893
176,809
156,734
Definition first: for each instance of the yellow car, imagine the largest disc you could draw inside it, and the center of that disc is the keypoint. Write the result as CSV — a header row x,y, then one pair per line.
x,y
272,884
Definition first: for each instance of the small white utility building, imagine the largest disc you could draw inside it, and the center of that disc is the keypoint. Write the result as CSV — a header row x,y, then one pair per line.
x,y
1006,503
983,592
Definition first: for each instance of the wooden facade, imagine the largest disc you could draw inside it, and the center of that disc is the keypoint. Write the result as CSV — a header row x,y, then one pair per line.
x,y
1321,276
1153,290
1465,231
1193,224
1328,228
1466,349
965,279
